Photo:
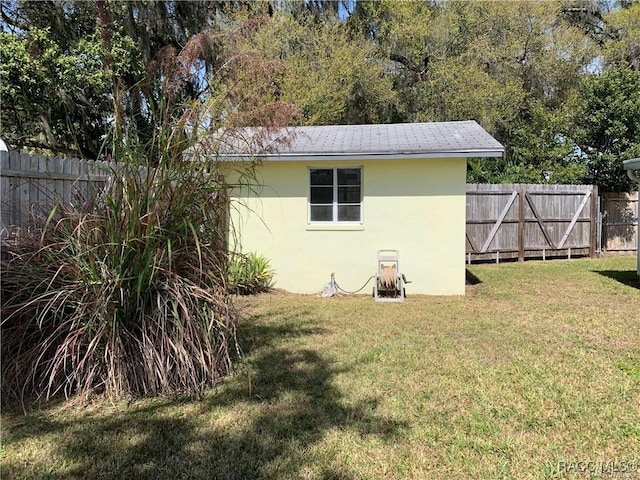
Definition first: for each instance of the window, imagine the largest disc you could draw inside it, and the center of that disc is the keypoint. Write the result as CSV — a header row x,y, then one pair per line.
x,y
335,195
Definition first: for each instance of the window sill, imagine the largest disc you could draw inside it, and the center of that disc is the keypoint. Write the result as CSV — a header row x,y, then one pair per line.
x,y
342,227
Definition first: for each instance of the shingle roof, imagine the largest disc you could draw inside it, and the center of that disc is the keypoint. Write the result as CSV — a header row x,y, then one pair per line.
x,y
466,139
335,142
632,164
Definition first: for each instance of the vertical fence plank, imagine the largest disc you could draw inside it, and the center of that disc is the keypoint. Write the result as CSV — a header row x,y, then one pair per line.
x,y
24,191
14,193
620,221
82,189
543,221
67,169
59,168
521,253
75,192
44,185
34,192
593,215
5,209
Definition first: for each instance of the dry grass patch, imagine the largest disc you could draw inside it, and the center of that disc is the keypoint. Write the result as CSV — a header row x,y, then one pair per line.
x,y
539,364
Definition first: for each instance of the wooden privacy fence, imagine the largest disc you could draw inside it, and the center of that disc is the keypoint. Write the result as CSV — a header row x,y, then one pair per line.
x,y
503,221
31,183
524,221
620,221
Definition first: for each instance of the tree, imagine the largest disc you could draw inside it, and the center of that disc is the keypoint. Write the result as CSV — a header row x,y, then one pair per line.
x,y
624,45
588,16
53,76
53,97
609,126
66,82
513,67
332,77
517,68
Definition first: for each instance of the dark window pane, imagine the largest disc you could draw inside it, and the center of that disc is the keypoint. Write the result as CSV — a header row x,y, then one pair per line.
x,y
348,194
320,213
322,176
348,213
348,176
321,194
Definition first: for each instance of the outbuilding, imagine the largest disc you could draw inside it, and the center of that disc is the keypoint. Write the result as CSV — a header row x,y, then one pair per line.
x,y
633,170
333,196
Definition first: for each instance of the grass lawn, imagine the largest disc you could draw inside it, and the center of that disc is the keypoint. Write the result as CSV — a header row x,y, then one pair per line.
x,y
532,374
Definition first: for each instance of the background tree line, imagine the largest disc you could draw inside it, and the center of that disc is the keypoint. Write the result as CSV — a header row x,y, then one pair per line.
x,y
558,82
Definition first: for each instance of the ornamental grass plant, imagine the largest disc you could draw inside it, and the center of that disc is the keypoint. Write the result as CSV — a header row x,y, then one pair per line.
x,y
124,295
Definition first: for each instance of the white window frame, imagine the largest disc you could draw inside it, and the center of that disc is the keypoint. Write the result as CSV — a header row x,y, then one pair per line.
x,y
335,203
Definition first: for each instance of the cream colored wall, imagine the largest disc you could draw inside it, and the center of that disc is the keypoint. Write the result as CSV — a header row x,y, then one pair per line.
x,y
415,206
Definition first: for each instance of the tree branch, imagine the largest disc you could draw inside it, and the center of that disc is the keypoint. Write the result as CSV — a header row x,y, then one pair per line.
x,y
45,146
419,70
13,22
405,61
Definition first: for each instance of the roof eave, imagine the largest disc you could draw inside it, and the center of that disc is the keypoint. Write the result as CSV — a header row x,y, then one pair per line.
x,y
631,166
306,157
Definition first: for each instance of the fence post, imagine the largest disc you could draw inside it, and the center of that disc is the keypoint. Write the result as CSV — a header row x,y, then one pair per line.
x,y
521,223
5,221
594,220
599,227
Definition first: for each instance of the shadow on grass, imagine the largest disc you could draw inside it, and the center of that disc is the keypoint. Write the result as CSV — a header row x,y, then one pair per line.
x,y
269,432
626,277
471,279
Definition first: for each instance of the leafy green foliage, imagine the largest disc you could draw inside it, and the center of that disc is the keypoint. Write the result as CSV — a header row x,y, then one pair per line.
x,y
609,126
59,96
67,81
126,293
249,274
624,28
331,76
520,69
512,67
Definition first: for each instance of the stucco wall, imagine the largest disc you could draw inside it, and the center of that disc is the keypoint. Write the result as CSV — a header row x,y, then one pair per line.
x,y
415,206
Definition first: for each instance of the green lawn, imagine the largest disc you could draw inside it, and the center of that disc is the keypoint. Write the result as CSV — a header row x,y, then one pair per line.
x,y
536,369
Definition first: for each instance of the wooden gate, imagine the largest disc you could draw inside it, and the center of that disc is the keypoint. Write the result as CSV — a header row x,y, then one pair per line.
x,y
530,221
620,222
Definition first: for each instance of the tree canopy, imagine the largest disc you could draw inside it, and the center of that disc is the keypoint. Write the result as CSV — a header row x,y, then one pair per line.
x,y
556,82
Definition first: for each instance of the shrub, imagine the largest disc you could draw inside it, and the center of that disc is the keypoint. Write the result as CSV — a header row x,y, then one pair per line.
x,y
126,296
249,274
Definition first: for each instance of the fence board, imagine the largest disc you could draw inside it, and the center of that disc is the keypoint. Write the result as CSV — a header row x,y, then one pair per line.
x,y
24,189
620,221
33,184
521,221
5,186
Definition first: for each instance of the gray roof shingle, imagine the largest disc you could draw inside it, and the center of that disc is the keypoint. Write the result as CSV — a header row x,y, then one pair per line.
x,y
423,140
